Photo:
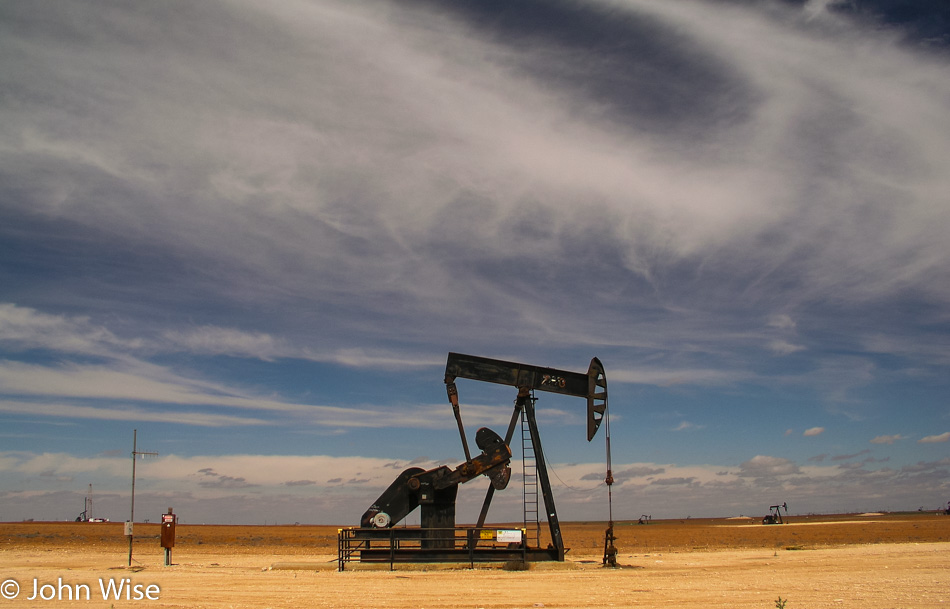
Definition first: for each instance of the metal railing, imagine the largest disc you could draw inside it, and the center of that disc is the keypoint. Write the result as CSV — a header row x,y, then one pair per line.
x,y
417,545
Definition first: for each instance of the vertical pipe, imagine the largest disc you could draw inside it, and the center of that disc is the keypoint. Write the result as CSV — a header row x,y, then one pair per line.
x,y
132,514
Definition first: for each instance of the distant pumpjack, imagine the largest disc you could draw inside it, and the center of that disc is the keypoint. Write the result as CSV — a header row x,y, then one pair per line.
x,y
775,514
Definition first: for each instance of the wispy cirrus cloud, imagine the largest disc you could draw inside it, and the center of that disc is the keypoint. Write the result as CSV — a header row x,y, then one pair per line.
x,y
216,340
25,328
686,425
288,224
887,439
126,412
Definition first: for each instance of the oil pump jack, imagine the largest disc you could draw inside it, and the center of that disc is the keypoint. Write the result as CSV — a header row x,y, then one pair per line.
x,y
775,514
435,490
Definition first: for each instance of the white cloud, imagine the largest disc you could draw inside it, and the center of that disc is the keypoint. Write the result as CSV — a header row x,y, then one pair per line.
x,y
813,431
766,466
342,182
676,376
23,328
482,128
944,437
887,439
783,347
140,388
687,425
782,321
215,340
64,410
138,381
808,81
326,489
227,341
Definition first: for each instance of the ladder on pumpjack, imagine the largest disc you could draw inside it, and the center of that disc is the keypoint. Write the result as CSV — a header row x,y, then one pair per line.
x,y
529,465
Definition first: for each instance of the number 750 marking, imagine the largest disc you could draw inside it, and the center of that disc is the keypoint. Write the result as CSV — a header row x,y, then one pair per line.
x,y
549,380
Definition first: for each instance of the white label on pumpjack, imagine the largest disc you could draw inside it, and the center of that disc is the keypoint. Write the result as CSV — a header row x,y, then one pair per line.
x,y
504,536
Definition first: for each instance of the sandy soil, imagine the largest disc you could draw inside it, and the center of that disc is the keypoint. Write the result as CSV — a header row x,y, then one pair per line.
x,y
872,561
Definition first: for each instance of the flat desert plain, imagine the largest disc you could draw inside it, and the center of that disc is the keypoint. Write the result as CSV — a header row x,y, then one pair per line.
x,y
859,560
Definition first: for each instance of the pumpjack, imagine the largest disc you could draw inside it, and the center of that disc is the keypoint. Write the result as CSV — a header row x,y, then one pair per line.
x,y
86,512
775,514
435,490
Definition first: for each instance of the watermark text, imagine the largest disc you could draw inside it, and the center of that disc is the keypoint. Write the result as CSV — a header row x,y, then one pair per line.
x,y
113,588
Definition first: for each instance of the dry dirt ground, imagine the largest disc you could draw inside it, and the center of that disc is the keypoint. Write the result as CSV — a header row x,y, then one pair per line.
x,y
867,561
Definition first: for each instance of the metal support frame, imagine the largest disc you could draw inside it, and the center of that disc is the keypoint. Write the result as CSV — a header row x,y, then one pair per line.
x,y
527,379
437,539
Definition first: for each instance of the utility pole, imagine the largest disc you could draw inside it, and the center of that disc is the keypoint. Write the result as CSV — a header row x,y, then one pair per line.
x,y
135,453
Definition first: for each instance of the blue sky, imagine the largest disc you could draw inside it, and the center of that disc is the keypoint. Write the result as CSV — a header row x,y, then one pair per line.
x,y
253,232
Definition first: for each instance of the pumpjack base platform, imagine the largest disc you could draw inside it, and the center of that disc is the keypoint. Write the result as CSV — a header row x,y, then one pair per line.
x,y
460,555
415,545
